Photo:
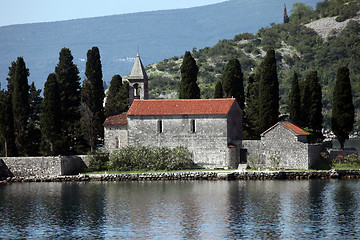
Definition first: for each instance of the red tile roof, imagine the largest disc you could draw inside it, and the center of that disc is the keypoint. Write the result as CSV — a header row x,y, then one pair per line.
x,y
181,107
291,126
120,119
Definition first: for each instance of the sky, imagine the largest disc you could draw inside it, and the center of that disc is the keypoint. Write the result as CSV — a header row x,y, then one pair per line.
x,y
34,11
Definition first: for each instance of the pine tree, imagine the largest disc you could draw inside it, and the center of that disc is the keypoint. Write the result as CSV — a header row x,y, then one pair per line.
x,y
93,72
218,93
188,86
232,82
268,92
20,105
342,117
294,106
70,96
49,118
251,112
117,100
34,132
7,137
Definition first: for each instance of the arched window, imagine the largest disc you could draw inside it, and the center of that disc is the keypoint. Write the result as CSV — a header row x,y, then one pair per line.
x,y
116,142
192,126
136,91
160,126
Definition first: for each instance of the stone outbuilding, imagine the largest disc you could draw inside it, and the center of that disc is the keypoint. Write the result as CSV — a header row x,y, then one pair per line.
x,y
210,128
288,143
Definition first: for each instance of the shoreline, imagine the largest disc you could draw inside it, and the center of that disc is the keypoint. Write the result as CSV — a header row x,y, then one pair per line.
x,y
188,176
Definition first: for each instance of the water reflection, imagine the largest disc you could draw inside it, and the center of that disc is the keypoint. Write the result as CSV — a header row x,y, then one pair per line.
x,y
181,210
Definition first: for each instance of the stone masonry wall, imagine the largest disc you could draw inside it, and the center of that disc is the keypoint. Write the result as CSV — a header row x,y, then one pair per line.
x,y
208,143
45,166
113,132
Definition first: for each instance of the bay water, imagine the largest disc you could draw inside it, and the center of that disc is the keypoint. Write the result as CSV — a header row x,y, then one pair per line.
x,y
302,209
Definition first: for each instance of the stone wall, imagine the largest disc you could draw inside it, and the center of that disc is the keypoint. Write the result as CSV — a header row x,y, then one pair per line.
x,y
208,141
113,134
45,166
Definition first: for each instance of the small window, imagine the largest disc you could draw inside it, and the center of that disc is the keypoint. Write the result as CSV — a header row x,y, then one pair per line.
x,y
160,126
136,91
116,142
192,125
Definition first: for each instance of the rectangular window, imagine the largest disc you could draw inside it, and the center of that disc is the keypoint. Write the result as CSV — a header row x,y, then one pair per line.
x,y
160,126
192,125
116,142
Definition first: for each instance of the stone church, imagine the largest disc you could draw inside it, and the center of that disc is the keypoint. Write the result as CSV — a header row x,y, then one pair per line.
x,y
210,128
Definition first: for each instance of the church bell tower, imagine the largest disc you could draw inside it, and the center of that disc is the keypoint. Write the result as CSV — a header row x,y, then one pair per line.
x,y
138,82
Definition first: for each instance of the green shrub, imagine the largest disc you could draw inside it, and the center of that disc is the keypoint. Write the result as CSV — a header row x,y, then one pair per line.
x,y
99,161
253,161
142,157
274,161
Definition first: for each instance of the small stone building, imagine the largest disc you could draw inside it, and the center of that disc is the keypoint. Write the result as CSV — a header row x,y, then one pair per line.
x,y
210,128
286,141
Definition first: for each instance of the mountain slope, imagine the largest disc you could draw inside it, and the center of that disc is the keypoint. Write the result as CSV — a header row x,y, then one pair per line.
x,y
158,35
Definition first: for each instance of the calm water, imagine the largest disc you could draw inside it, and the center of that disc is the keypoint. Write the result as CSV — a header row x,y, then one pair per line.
x,y
316,209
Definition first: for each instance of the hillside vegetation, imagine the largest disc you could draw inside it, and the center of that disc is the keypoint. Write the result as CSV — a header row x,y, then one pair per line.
x,y
299,47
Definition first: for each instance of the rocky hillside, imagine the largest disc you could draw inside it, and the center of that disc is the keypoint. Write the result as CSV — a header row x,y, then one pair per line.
x,y
307,42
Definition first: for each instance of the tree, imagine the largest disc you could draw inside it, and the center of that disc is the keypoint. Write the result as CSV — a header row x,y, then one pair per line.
x,y
342,117
117,100
268,92
218,93
294,106
95,101
251,112
70,96
232,81
7,125
311,105
20,105
49,118
189,70
34,131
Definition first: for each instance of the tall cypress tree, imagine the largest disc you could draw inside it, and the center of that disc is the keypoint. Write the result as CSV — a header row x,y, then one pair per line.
x,y
268,92
93,72
117,100
70,96
20,105
311,106
34,132
7,137
49,118
188,86
232,81
218,93
294,106
342,117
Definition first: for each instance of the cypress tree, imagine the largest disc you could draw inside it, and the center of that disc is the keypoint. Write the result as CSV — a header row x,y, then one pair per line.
x,y
49,118
188,86
294,106
20,105
342,117
34,132
218,93
7,125
268,92
117,100
232,81
251,112
93,72
70,96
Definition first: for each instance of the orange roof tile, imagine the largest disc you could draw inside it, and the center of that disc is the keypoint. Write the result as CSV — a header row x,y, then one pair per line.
x,y
120,119
181,107
291,126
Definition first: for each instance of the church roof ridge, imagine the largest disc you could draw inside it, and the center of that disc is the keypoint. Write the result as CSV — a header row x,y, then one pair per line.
x,y
156,107
138,70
